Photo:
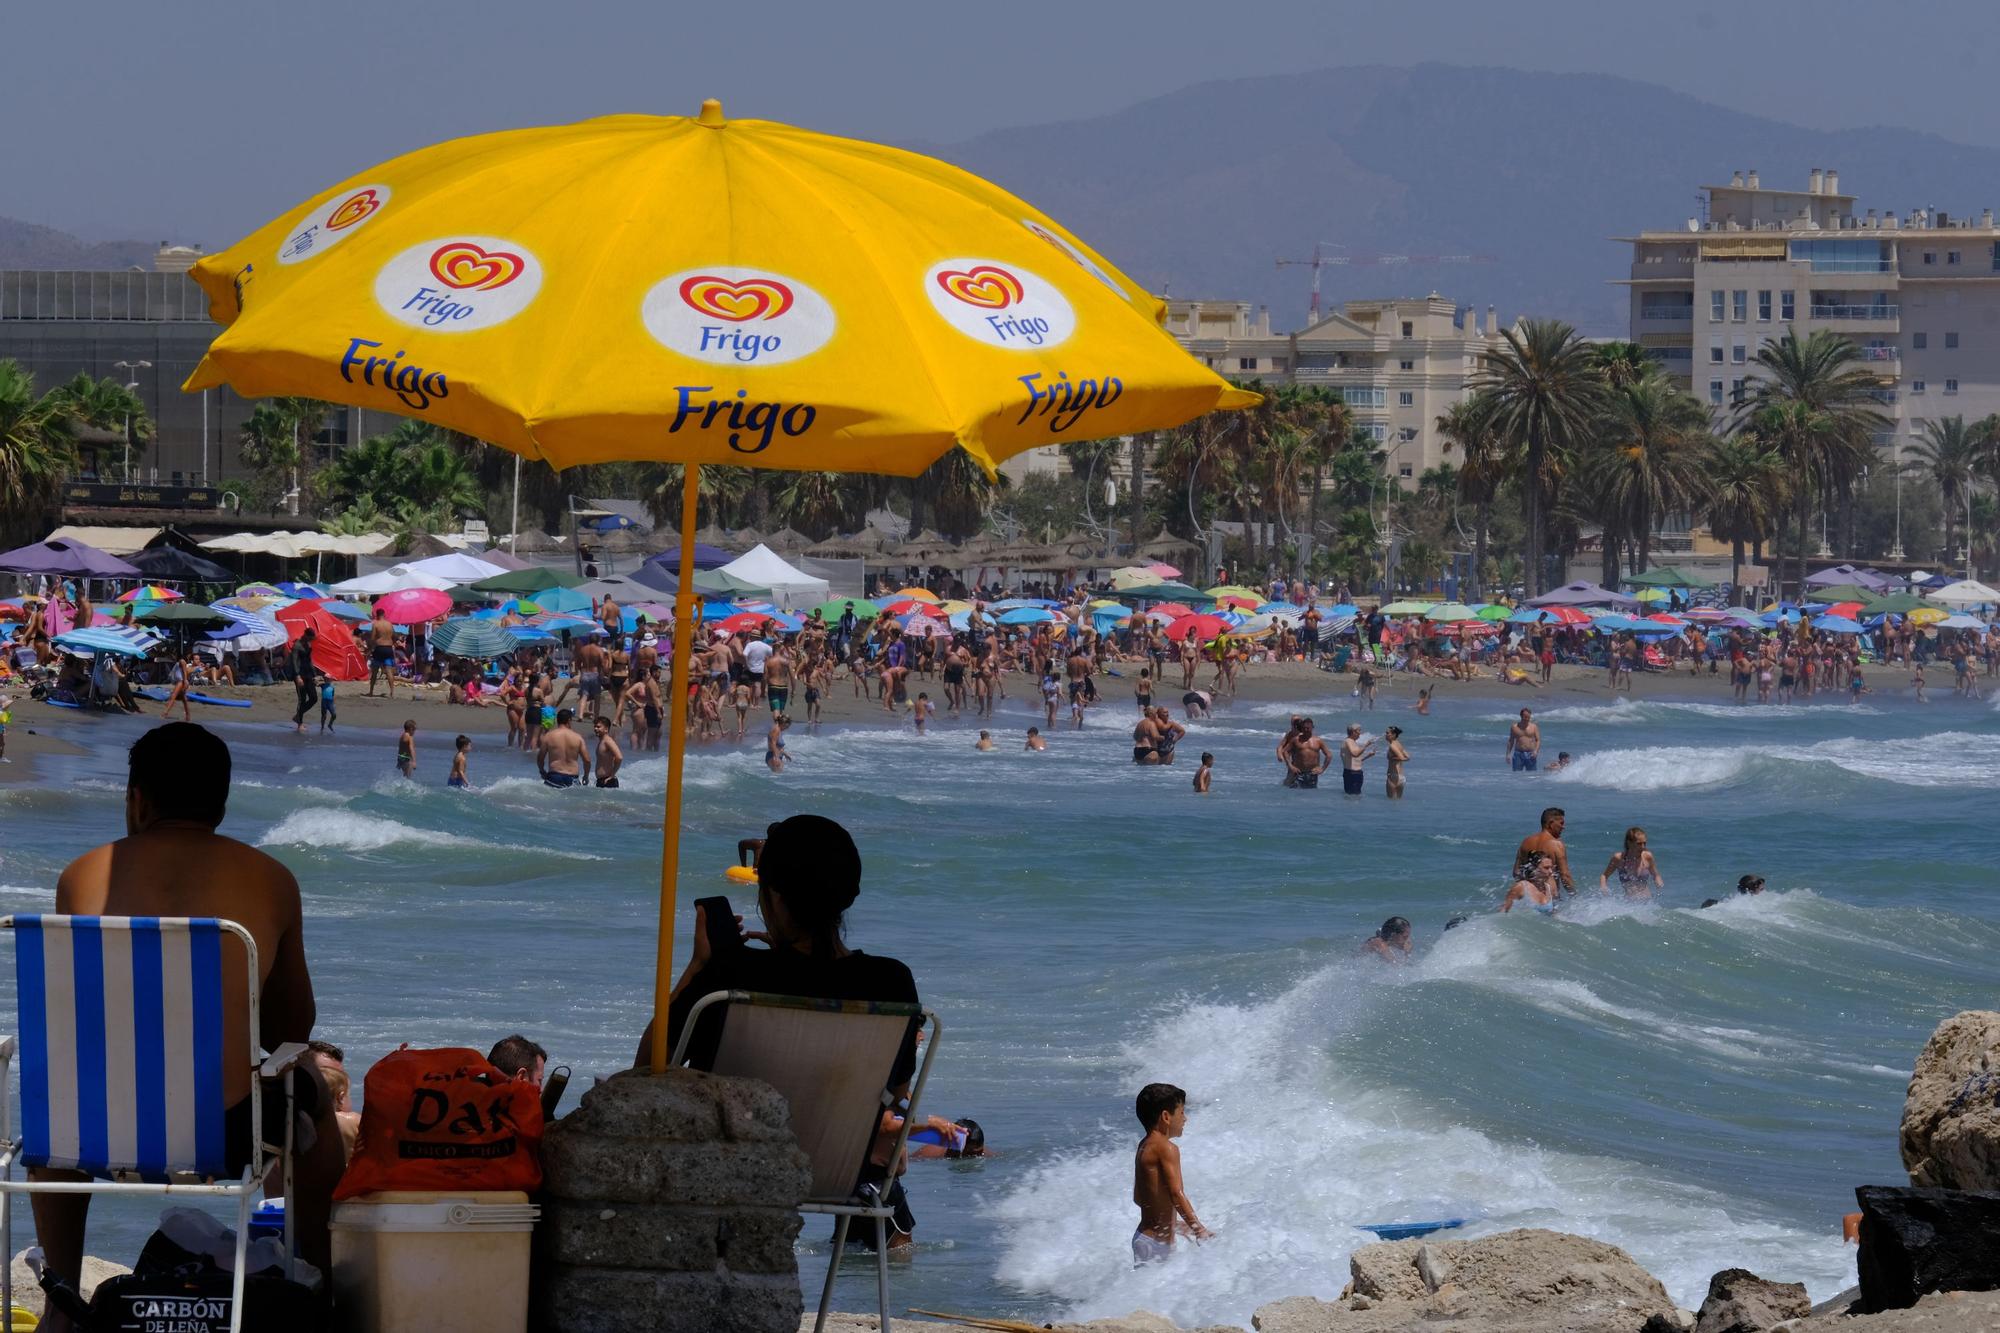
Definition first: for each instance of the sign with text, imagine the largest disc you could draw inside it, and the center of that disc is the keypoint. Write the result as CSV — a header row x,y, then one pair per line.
x,y
140,495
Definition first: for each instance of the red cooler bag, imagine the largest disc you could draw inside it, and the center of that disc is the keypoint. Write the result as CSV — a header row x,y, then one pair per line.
x,y
444,1120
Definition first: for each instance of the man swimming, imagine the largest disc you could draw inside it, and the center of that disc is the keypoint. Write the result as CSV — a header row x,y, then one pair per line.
x,y
1549,840
1524,743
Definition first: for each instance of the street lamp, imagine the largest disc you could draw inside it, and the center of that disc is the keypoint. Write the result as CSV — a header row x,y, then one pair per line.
x,y
131,368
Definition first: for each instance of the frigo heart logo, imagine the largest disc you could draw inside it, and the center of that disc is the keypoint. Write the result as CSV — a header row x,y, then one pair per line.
x,y
352,209
468,267
987,286
737,302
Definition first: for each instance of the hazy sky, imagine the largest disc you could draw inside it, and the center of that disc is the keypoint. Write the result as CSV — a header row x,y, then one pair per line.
x,y
198,121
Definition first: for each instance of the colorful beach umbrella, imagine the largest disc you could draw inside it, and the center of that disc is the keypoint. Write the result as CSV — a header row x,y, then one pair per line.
x,y
413,606
1451,611
467,637
1407,608
831,611
151,592
1650,595
919,594
1202,627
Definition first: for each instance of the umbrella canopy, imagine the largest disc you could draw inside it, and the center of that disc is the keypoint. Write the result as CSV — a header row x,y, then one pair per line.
x,y
558,297
1837,625
1451,611
179,613
413,606
1842,592
1165,592
918,594
1494,612
1202,627
1963,621
150,592
1029,615
1965,592
1893,604
1586,594
170,562
396,578
1164,571
533,579
122,640
1407,608
1929,615
831,611
467,637
60,555
566,600
1650,595
1666,576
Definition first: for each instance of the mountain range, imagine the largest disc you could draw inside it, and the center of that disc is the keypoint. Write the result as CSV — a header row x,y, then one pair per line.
x,y
1198,192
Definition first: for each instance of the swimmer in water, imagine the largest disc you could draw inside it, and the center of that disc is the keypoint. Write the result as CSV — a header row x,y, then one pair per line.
x,y
775,757
1204,773
1751,884
985,744
1195,703
1397,757
1548,840
1538,888
1424,701
1637,872
1562,762
1035,741
1391,943
462,752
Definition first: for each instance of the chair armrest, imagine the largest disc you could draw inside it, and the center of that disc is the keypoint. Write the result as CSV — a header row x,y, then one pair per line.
x,y
282,1060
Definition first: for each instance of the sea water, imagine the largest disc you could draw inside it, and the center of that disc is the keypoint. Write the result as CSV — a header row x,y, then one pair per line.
x,y
1703,1087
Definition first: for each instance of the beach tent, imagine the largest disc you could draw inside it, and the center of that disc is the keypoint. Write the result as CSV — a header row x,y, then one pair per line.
x,y
62,556
1586,594
1839,574
334,651
458,567
706,556
790,586
1960,620
396,578
170,562
1965,592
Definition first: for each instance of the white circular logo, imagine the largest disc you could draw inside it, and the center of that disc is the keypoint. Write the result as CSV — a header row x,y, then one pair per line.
x,y
731,316
456,284
327,225
1088,265
1003,305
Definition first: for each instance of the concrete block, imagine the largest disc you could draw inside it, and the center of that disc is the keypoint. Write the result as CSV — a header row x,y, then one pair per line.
x,y
670,1239
573,1299
678,1106
590,1167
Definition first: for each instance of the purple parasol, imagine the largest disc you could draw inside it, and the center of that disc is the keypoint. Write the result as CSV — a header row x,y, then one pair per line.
x,y
61,556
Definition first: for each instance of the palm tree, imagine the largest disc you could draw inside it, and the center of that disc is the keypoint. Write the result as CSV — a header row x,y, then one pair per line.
x,y
1625,364
1743,484
1481,469
1648,463
718,494
1951,454
1812,400
105,404
1315,419
1544,391
957,492
273,440
37,448
818,504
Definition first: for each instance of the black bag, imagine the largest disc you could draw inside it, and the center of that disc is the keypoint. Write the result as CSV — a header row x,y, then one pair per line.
x,y
171,1290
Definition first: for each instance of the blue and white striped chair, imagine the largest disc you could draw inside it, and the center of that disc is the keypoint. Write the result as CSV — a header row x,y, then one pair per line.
x,y
121,1051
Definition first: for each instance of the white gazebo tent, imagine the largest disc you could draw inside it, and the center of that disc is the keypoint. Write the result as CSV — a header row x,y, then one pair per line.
x,y
457,566
790,586
393,579
1965,592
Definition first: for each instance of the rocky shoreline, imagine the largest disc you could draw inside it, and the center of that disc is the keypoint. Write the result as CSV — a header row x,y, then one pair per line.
x,y
1928,1261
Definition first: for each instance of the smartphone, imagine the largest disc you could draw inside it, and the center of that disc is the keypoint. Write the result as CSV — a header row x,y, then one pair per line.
x,y
553,1083
724,936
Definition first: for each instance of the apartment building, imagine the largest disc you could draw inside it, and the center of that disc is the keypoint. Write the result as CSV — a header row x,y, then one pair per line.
x,y
1919,294
1399,364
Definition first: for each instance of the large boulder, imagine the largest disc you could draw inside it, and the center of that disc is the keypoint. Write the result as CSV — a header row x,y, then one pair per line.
x,y
1916,1241
1513,1282
1741,1302
1951,1114
1940,1312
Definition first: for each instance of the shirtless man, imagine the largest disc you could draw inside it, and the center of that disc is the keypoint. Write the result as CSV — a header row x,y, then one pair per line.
x,y
1537,887
1353,753
590,677
1078,671
1524,743
382,652
173,863
609,757
1146,740
1397,757
778,671
1168,733
1304,755
563,759
1549,840
1164,1209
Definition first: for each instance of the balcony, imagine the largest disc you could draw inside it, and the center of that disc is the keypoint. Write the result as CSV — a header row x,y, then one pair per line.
x,y
1676,314
1878,353
1853,266
1877,313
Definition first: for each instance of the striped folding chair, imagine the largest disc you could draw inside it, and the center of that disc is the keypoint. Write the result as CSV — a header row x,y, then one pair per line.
x,y
831,1061
121,1052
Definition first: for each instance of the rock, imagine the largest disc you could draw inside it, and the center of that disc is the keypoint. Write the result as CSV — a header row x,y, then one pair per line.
x,y
1674,1321
1139,1321
1951,1114
1517,1281
28,1295
1741,1302
1838,1304
1940,1312
1915,1241
1433,1267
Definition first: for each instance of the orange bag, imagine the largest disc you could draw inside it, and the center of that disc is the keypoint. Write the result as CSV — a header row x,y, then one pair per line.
x,y
444,1120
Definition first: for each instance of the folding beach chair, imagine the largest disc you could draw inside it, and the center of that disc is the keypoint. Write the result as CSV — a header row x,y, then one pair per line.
x,y
831,1060
121,1054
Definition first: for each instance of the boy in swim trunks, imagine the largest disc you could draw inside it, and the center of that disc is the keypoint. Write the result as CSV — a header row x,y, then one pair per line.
x,y
462,751
1156,1176
406,750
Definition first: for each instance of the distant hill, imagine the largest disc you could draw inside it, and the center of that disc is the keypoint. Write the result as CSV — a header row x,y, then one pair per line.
x,y
25,245
1204,188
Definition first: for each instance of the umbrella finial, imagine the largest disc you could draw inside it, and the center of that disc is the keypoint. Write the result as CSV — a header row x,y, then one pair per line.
x,y
711,113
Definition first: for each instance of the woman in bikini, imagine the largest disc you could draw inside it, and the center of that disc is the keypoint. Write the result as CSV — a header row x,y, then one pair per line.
x,y
1637,872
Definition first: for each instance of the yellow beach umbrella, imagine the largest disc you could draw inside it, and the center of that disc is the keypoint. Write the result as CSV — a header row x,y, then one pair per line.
x,y
696,290
1929,615
918,594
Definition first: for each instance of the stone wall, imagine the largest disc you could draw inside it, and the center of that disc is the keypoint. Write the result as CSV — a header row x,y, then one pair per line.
x,y
670,1206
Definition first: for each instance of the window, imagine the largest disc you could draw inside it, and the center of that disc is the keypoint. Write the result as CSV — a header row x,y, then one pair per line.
x,y
1916,386
1788,306
1409,329
1715,392
1736,350
1406,365
1378,431
1715,351
1739,305
1930,256
1951,340
1919,341
1763,307
1246,363
1953,256
1951,386
1736,391
1715,297
1406,434
1406,399
1406,470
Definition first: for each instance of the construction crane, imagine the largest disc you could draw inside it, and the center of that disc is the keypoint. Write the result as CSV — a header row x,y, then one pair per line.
x,y
1320,259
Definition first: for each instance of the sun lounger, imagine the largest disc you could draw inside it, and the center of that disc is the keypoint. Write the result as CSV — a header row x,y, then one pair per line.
x,y
831,1060
121,1056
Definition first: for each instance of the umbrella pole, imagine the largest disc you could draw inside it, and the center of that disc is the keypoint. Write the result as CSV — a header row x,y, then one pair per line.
x,y
685,624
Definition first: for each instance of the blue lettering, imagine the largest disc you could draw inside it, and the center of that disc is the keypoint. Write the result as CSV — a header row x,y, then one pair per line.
x,y
437,307
751,426
417,387
1064,402
353,357
1030,330
743,346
